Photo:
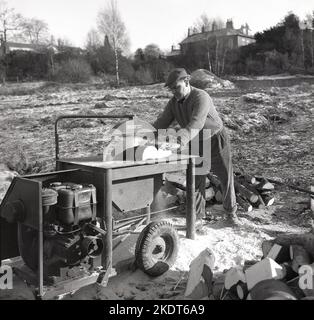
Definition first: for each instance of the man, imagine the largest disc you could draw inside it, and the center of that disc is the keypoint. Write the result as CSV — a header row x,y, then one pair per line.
x,y
195,112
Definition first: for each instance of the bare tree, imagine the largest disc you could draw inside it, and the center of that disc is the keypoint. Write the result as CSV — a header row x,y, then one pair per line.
x,y
309,20
35,30
110,24
9,23
205,23
9,20
92,40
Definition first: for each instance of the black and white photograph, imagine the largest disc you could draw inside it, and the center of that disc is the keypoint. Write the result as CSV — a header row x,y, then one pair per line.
x,y
156,151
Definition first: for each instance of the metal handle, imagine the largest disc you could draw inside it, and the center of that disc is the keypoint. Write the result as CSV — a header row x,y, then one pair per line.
x,y
126,116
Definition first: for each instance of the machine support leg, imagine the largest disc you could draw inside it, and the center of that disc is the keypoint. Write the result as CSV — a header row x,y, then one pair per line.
x,y
147,212
40,255
190,200
107,216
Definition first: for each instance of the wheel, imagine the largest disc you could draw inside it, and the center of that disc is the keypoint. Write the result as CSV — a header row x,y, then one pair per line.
x,y
157,248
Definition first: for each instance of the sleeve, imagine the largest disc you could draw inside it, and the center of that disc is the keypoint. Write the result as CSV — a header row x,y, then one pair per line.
x,y
165,118
201,107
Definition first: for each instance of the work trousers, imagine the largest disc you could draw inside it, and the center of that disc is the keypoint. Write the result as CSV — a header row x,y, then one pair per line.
x,y
215,156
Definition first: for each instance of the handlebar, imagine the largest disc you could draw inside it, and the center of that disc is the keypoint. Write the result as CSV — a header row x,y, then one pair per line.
x,y
126,116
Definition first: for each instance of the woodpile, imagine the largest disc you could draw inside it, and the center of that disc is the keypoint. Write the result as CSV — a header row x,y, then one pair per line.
x,y
251,192
285,272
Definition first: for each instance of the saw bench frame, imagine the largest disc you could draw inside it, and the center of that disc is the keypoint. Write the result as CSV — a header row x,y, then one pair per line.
x,y
123,185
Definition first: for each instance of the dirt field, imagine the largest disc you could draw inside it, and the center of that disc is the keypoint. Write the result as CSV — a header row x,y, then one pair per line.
x,y
272,134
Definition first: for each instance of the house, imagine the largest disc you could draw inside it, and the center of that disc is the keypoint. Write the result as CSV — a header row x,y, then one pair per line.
x,y
9,46
228,37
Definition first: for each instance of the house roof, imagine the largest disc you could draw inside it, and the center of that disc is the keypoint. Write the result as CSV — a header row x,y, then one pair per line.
x,y
175,52
24,46
12,46
216,33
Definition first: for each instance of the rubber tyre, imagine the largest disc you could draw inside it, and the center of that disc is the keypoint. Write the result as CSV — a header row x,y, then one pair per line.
x,y
157,248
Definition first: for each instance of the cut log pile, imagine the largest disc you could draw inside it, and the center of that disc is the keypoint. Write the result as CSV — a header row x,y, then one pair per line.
x,y
285,272
251,192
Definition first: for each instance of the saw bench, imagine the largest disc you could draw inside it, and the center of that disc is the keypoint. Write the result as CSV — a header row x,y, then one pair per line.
x,y
59,230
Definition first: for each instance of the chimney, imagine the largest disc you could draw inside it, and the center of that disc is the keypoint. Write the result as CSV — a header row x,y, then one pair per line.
x,y
247,29
229,24
172,48
189,32
203,28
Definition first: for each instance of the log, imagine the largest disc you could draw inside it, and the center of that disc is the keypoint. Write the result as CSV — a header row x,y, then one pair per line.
x,y
196,273
279,253
242,290
260,203
264,184
289,186
247,194
266,247
288,272
214,181
246,206
265,269
218,196
249,263
249,187
247,178
209,193
306,240
268,200
271,289
233,277
299,257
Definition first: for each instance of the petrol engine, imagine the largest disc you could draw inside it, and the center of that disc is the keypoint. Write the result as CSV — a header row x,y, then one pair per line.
x,y
72,238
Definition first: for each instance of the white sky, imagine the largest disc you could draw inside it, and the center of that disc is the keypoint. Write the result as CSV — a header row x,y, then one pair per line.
x,y
163,22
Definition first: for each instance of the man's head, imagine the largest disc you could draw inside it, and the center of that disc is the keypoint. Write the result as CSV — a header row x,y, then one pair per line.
x,y
178,83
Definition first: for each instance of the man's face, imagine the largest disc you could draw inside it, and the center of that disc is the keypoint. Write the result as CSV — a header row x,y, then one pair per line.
x,y
179,89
